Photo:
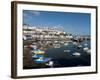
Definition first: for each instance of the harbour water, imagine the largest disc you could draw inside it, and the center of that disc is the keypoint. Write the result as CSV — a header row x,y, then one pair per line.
x,y
65,55
69,54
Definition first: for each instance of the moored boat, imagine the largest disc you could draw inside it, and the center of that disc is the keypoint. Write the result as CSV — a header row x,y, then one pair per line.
x,y
42,60
76,54
86,48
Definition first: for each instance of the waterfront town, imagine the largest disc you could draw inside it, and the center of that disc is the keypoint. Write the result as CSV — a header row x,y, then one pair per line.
x,y
44,46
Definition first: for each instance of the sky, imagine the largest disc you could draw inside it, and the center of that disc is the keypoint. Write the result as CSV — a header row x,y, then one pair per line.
x,y
74,23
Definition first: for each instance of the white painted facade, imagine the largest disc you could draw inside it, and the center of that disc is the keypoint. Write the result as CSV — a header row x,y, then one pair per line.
x,y
45,32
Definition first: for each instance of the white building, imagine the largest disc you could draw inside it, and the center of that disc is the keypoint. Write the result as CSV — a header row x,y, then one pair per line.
x,y
44,32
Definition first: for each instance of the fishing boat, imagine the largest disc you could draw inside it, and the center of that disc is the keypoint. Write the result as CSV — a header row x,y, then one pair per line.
x,y
39,57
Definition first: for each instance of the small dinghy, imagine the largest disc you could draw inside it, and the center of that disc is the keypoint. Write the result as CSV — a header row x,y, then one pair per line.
x,y
42,60
79,46
50,63
88,51
86,48
36,56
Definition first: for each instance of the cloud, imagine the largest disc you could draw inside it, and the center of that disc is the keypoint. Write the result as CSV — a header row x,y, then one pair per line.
x,y
37,13
29,14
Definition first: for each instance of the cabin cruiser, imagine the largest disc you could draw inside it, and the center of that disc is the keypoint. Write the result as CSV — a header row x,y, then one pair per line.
x,y
76,54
